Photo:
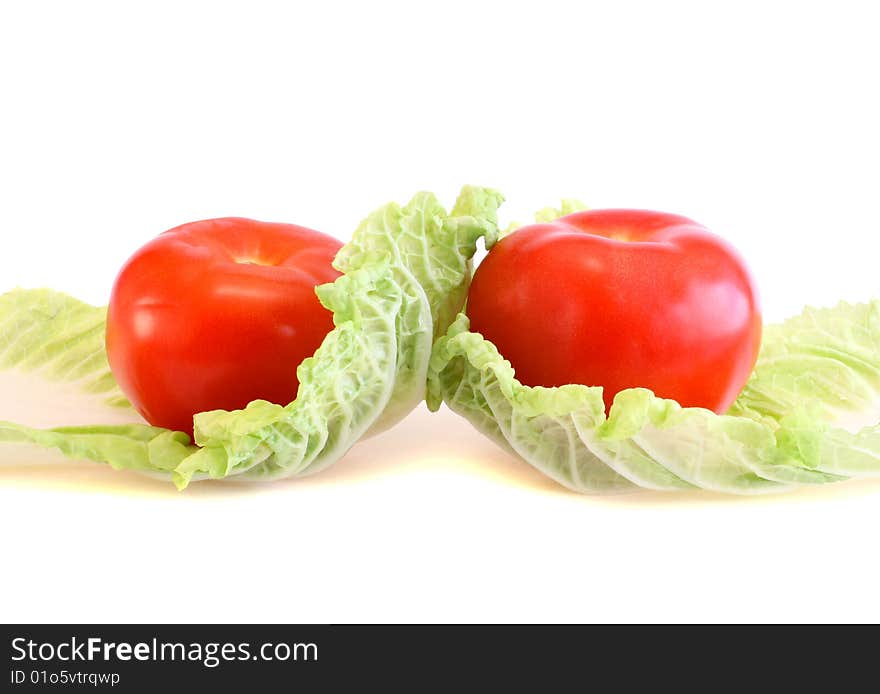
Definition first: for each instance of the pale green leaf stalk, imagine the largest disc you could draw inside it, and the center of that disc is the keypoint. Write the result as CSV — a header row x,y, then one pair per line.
x,y
808,415
406,273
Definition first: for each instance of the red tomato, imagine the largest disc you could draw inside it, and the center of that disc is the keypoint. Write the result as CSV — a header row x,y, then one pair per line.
x,y
621,299
214,314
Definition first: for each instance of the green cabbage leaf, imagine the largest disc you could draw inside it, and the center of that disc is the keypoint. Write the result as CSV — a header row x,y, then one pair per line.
x,y
406,274
808,415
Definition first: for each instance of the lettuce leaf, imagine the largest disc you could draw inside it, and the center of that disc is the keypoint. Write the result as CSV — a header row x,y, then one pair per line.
x,y
53,369
808,415
547,214
406,273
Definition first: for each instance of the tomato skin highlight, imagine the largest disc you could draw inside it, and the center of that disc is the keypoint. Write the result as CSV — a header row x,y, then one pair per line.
x,y
217,313
621,299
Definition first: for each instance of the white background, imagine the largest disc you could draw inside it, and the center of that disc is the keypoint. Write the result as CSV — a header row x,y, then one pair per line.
x,y
119,121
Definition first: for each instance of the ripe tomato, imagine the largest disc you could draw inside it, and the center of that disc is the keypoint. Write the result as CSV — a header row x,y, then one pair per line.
x,y
621,299
214,314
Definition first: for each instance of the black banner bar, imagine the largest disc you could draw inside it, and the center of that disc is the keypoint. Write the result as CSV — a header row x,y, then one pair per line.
x,y
133,658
